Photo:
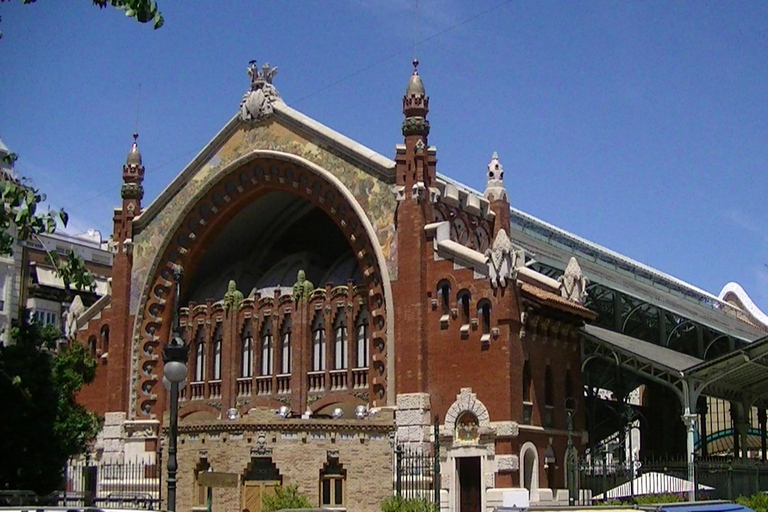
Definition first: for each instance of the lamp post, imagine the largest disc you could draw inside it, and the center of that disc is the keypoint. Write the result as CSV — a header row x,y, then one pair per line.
x,y
570,459
175,356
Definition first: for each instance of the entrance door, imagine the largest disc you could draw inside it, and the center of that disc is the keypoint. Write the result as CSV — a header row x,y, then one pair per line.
x,y
469,483
253,493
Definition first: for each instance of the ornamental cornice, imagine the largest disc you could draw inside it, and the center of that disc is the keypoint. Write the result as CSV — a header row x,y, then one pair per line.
x,y
286,426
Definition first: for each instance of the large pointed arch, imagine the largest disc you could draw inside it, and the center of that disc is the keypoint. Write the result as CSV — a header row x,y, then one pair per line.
x,y
242,182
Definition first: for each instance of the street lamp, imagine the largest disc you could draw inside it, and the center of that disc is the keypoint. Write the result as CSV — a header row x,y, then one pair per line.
x,y
570,452
175,356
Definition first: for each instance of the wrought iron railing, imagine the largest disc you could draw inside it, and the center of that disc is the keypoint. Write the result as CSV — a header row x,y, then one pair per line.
x,y
134,485
417,469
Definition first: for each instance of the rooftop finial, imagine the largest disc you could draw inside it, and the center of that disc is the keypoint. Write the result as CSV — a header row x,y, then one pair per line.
x,y
415,66
256,104
134,156
494,188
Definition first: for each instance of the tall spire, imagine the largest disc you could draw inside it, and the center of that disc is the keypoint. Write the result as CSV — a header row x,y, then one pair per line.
x,y
133,177
415,105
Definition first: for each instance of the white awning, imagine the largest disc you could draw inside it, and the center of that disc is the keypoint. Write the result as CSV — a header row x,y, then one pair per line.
x,y
47,277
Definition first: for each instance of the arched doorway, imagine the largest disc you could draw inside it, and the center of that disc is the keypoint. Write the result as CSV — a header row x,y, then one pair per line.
x,y
530,459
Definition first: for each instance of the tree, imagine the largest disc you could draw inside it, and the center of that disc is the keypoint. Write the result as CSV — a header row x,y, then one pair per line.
x,y
143,11
43,425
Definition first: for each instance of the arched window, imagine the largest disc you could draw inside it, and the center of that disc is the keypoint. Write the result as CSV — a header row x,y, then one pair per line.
x,y
484,312
361,327
217,359
463,299
549,398
549,388
246,354
200,361
318,344
285,346
92,346
444,296
105,339
527,403
267,348
340,341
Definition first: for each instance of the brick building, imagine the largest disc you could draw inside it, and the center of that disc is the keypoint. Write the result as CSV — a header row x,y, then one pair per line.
x,y
359,296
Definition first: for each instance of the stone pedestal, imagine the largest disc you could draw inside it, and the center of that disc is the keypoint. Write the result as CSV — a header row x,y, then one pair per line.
x,y
413,420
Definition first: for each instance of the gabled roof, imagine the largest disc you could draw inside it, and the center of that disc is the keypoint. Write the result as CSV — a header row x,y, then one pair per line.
x,y
325,136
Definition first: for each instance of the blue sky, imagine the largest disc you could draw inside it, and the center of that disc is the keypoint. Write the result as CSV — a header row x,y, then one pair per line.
x,y
642,126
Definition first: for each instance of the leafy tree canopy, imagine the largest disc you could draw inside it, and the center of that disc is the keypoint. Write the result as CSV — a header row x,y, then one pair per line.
x,y
144,11
43,425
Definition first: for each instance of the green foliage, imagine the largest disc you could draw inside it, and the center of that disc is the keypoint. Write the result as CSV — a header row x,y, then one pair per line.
x,y
757,502
400,504
19,218
43,426
71,269
142,11
284,498
649,499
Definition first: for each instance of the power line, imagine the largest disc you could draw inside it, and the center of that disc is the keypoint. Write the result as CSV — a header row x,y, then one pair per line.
x,y
402,51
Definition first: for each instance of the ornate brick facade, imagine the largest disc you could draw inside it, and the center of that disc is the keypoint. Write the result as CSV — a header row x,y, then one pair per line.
x,y
420,304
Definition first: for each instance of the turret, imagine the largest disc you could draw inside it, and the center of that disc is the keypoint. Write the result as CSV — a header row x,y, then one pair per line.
x,y
416,193
132,190
416,172
496,194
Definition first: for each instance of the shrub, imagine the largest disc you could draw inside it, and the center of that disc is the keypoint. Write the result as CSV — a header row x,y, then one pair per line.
x,y
650,499
757,502
400,504
284,497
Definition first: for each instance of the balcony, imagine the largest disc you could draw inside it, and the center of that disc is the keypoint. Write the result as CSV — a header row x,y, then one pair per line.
x,y
338,379
284,383
316,381
197,390
214,389
244,386
264,385
360,378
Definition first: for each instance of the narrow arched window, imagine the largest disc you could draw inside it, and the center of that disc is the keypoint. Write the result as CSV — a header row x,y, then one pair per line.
x,y
361,327
92,346
285,346
340,341
200,361
463,299
444,296
484,312
526,382
527,403
549,398
267,348
318,344
217,359
549,388
246,354
105,339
